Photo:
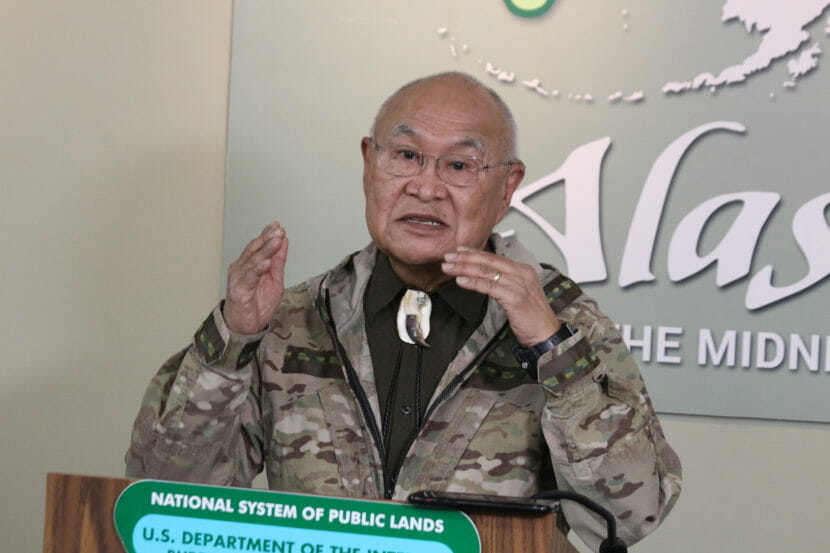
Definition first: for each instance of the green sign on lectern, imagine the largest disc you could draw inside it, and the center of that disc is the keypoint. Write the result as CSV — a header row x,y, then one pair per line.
x,y
166,517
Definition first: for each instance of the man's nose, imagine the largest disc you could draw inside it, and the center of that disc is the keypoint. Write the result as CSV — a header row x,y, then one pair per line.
x,y
427,184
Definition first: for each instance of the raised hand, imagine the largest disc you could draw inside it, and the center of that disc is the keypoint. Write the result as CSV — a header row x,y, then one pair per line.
x,y
256,281
514,285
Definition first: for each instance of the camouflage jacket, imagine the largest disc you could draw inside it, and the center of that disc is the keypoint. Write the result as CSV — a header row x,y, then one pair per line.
x,y
300,401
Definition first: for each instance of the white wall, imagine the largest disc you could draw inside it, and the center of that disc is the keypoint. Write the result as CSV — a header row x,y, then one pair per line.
x,y
113,125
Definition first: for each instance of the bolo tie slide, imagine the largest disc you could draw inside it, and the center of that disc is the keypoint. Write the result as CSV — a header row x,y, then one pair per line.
x,y
413,317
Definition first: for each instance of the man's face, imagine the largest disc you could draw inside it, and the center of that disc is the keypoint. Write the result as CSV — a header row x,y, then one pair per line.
x,y
416,220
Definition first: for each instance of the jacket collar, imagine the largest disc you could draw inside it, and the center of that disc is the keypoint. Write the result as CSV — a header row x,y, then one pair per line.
x,y
343,288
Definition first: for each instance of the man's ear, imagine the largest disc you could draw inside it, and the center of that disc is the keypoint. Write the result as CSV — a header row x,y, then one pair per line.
x,y
365,147
515,175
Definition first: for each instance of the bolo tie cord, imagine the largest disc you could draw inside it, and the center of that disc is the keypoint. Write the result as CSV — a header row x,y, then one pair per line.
x,y
392,395
420,355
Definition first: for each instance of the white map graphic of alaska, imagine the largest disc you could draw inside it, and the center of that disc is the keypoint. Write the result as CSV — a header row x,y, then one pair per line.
x,y
782,25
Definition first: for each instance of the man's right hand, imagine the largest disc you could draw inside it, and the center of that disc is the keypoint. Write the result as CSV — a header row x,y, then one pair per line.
x,y
256,281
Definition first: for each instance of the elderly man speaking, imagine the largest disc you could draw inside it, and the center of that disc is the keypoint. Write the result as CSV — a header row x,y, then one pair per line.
x,y
441,356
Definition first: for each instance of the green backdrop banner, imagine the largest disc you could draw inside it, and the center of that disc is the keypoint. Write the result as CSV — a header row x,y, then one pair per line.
x,y
676,154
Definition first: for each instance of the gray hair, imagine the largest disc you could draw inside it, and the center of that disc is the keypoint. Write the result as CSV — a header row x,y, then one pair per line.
x,y
509,141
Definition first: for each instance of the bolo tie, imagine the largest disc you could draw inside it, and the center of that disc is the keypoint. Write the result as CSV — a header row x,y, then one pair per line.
x,y
413,328
413,317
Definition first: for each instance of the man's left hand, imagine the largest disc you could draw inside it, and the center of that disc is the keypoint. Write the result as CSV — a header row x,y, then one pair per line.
x,y
514,285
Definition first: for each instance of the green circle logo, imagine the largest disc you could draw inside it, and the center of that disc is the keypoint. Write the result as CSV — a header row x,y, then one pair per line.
x,y
529,8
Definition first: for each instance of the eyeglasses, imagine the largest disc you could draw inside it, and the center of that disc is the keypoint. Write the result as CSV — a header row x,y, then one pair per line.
x,y
458,170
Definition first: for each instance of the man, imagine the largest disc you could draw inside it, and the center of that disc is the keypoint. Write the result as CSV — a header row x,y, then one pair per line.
x,y
439,357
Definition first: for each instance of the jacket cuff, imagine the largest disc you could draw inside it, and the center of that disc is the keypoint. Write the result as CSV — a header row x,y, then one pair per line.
x,y
566,364
216,345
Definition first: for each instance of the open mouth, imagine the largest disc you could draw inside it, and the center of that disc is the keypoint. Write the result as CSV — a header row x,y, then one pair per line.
x,y
423,220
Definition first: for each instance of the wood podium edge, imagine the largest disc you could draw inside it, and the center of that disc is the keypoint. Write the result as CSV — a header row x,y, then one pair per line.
x,y
72,519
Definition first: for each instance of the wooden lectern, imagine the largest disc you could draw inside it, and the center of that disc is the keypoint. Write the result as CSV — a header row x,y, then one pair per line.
x,y
79,520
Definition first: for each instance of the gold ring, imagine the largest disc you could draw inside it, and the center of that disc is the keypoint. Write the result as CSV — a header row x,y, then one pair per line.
x,y
496,277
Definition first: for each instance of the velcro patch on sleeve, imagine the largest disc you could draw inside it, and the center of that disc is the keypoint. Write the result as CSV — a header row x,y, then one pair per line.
x,y
569,366
320,364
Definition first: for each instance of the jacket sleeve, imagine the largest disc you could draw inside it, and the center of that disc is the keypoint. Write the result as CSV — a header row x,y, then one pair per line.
x,y
200,418
603,434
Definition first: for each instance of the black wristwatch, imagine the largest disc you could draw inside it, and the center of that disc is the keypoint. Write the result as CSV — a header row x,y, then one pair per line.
x,y
527,357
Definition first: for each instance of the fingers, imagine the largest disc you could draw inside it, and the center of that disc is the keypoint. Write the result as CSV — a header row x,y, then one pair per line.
x,y
515,286
488,273
261,254
273,266
256,281
263,245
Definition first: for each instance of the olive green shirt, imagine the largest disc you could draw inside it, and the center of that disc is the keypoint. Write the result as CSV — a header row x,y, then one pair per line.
x,y
406,374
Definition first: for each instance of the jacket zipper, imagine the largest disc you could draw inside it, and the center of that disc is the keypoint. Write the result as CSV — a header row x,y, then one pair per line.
x,y
445,393
366,409
354,383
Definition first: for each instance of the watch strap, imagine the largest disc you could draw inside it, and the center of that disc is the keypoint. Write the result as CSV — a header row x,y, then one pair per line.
x,y
529,356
